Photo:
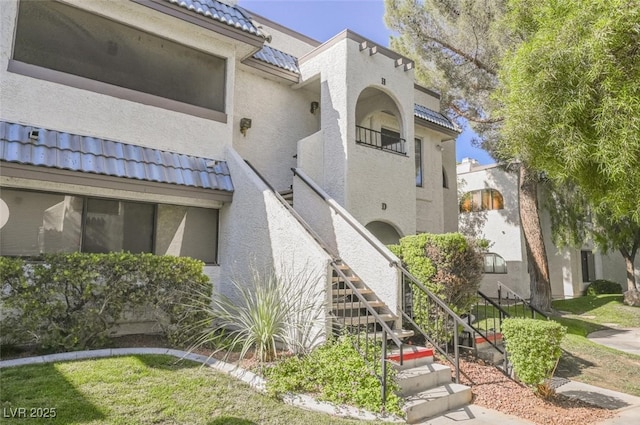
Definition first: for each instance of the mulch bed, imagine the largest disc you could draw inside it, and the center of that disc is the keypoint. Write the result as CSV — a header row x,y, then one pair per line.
x,y
493,390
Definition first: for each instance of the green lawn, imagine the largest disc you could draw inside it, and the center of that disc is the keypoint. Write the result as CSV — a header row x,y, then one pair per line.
x,y
583,360
144,389
592,363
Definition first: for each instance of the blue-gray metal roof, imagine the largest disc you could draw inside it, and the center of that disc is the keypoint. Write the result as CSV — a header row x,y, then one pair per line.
x,y
278,58
48,148
218,11
434,117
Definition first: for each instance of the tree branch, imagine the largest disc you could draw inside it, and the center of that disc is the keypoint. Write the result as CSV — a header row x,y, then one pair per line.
x,y
468,117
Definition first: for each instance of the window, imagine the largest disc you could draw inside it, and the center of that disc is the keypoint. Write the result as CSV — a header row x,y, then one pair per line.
x,y
418,162
72,41
391,140
118,226
48,223
588,266
40,222
481,200
493,263
445,179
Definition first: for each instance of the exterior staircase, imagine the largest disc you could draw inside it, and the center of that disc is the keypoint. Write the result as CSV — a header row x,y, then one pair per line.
x,y
426,386
349,305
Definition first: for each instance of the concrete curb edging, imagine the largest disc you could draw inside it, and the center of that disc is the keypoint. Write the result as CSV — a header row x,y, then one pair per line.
x,y
256,382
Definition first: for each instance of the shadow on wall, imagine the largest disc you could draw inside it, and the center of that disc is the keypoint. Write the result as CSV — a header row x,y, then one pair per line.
x,y
244,235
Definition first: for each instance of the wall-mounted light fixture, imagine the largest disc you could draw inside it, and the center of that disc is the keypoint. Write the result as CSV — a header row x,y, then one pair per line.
x,y
314,107
440,148
245,124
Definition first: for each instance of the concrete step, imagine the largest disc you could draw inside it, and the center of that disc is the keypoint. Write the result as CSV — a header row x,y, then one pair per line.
x,y
400,333
482,342
418,379
363,320
351,305
490,355
412,356
349,291
435,401
337,279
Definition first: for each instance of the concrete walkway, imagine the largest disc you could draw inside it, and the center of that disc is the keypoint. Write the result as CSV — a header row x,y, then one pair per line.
x,y
627,406
623,339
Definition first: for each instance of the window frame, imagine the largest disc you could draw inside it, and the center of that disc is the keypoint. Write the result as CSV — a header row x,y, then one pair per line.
x,y
476,201
419,162
493,263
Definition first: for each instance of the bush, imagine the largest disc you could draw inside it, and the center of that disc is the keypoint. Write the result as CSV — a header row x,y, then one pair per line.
x,y
601,286
268,310
73,301
338,374
534,350
450,265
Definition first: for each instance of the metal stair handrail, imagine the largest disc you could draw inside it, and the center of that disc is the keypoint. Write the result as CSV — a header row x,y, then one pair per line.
x,y
386,330
524,302
394,263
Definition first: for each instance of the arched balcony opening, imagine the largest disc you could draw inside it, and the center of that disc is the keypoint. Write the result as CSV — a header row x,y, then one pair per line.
x,y
379,122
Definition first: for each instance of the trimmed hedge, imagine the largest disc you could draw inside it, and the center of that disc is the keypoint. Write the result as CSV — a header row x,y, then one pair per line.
x,y
450,265
73,301
602,286
534,349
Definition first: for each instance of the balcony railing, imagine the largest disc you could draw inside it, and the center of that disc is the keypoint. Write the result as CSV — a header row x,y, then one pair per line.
x,y
386,141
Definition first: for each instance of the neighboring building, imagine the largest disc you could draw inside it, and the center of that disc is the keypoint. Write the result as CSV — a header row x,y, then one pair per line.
x,y
126,126
489,209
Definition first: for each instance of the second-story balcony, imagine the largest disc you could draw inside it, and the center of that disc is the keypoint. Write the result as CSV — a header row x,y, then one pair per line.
x,y
386,140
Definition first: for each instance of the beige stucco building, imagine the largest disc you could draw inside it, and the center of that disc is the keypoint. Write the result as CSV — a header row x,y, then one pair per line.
x,y
489,209
128,125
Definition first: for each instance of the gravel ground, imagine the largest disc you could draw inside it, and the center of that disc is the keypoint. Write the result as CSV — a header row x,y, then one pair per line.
x,y
493,390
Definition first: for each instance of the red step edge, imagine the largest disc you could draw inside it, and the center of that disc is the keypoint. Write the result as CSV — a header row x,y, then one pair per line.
x,y
493,337
411,354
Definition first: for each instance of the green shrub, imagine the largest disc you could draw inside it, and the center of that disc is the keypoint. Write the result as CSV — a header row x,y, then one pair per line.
x,y
533,347
450,265
73,301
336,372
602,286
268,310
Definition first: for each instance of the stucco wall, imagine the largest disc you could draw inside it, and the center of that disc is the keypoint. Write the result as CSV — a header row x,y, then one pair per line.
x,y
345,241
330,66
280,117
502,228
258,233
311,156
64,108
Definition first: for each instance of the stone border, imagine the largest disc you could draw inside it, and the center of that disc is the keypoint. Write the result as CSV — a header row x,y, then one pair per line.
x,y
256,382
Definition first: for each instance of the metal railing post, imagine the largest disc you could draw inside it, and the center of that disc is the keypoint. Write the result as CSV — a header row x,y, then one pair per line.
x,y
384,368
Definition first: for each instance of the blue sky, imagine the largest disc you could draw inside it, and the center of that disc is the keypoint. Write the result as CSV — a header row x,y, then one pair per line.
x,y
323,19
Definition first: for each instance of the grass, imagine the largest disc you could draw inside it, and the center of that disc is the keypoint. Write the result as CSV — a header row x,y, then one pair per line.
x,y
144,389
593,363
584,360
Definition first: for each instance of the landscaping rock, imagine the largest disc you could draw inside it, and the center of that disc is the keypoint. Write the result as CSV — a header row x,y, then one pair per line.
x,y
632,298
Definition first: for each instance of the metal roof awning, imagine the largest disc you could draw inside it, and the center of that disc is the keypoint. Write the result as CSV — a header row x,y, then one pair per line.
x,y
44,148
